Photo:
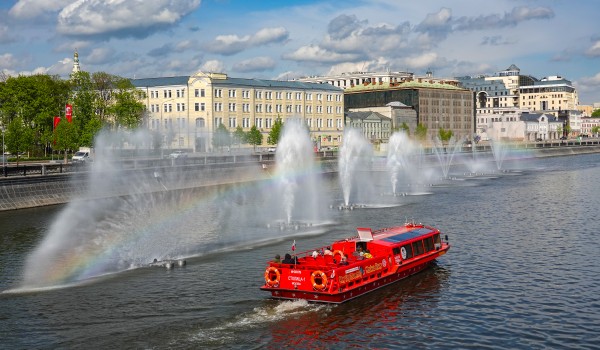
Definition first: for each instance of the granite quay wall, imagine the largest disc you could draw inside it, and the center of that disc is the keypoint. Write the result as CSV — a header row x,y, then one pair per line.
x,y
43,188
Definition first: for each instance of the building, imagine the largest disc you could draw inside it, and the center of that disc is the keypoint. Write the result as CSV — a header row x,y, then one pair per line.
x,y
376,127
523,126
549,95
397,111
437,104
186,110
588,125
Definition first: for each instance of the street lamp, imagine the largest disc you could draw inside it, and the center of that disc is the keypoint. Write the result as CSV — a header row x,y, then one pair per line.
x,y
3,156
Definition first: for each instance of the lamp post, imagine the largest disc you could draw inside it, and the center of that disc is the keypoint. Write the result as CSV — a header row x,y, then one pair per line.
x,y
3,156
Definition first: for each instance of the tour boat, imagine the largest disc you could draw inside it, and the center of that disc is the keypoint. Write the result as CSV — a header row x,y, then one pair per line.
x,y
355,266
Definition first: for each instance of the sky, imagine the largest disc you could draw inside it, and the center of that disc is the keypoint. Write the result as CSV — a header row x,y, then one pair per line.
x,y
274,39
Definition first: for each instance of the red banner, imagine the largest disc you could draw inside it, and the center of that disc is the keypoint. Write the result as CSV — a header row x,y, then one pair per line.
x,y
56,121
69,112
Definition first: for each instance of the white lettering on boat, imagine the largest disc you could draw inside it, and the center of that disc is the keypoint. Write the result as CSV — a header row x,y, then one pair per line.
x,y
351,270
296,278
298,272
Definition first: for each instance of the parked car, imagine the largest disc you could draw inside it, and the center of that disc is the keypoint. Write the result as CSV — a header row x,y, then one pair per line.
x,y
563,137
177,154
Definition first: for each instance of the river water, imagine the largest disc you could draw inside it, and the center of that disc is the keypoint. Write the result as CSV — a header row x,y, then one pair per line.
x,y
522,273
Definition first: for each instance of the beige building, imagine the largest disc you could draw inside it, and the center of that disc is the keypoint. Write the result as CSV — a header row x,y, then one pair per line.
x,y
376,127
550,95
187,110
398,112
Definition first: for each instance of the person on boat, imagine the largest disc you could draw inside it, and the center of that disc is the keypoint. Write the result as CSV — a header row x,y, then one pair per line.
x,y
367,254
327,251
344,261
288,259
359,253
315,254
277,259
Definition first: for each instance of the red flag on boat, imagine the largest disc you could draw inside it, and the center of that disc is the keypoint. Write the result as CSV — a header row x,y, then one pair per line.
x,y
56,121
294,246
69,112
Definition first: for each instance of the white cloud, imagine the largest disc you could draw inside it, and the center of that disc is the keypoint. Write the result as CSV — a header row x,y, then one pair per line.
x,y
28,9
421,62
100,55
214,66
256,64
594,50
232,44
8,61
318,54
121,18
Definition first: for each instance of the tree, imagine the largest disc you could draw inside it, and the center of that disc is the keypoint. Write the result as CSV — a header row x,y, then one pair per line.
x,y
275,132
404,127
221,137
254,137
65,137
595,129
421,132
127,110
445,135
239,136
596,113
19,137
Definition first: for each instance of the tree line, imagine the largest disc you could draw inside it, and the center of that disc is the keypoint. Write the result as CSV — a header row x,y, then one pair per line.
x,y
29,105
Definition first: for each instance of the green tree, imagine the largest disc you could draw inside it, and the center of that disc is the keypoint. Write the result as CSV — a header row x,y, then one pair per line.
x,y
275,132
421,132
126,110
84,101
445,135
239,136
254,137
65,137
404,127
221,138
596,114
595,129
19,137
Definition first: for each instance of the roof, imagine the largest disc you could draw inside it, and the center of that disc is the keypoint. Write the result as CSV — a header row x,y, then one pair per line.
x,y
534,117
402,237
365,115
256,83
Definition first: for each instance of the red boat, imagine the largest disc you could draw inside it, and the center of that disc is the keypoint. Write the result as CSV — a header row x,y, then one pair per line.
x,y
355,266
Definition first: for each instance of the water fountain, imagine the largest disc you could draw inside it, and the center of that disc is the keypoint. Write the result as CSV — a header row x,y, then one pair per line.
x,y
354,158
446,154
499,150
405,164
298,193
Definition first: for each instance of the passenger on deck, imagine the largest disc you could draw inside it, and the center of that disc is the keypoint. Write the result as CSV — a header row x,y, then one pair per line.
x,y
359,253
277,259
315,254
367,254
328,251
344,261
288,259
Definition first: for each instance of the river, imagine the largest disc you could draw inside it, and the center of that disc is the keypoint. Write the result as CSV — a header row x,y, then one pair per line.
x,y
522,273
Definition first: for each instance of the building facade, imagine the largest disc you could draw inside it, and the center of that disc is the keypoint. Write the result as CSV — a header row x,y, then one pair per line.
x,y
525,126
187,110
376,127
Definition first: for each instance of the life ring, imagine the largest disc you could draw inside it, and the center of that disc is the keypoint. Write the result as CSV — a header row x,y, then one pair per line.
x,y
316,275
272,276
340,253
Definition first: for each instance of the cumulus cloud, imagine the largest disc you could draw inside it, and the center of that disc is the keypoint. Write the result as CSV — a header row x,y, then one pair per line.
x,y
169,48
495,40
28,9
594,50
437,24
100,55
8,61
122,18
316,53
212,66
256,64
420,62
343,25
509,19
232,44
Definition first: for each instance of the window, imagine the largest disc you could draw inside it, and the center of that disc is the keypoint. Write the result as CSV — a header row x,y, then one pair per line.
x,y
180,93
409,251
428,242
268,122
246,94
202,107
288,95
246,122
298,108
200,122
418,248
232,122
258,123
259,108
218,92
167,93
218,107
232,107
231,93
246,107
259,94
298,96
278,95
196,107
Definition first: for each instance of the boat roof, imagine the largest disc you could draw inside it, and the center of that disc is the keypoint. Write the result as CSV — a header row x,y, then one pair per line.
x,y
401,234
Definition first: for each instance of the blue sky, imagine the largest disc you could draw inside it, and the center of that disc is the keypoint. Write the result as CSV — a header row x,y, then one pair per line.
x,y
289,39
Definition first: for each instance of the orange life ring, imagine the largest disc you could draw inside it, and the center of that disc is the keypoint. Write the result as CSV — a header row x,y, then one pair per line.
x,y
340,253
272,276
318,275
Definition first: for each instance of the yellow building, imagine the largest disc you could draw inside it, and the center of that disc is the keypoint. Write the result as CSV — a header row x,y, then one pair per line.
x,y
550,95
186,110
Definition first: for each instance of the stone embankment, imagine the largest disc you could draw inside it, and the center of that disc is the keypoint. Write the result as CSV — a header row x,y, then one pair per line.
x,y
35,191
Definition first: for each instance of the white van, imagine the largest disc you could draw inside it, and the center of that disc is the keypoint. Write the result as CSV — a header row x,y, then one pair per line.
x,y
82,156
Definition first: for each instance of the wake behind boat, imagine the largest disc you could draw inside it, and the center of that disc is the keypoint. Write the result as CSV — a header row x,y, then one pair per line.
x,y
355,266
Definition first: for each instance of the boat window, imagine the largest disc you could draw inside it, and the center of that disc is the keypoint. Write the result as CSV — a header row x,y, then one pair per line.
x,y
418,247
436,238
409,251
428,242
396,251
